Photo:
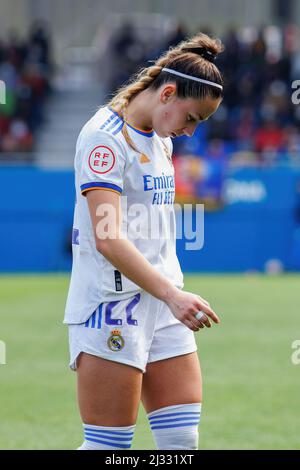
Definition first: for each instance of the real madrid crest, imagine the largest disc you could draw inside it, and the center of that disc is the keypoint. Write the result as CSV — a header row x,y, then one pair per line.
x,y
115,342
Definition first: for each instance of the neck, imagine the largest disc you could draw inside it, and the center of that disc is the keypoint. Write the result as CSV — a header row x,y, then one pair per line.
x,y
139,111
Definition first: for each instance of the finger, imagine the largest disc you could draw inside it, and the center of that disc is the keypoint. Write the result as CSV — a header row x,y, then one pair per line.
x,y
204,301
210,313
191,325
203,319
198,324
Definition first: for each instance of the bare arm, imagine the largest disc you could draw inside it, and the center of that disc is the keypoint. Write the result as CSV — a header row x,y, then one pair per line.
x,y
122,254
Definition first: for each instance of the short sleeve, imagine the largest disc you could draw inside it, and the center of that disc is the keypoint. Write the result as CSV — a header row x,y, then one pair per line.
x,y
103,163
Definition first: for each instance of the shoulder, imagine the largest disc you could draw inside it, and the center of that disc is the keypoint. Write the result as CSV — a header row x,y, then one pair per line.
x,y
101,130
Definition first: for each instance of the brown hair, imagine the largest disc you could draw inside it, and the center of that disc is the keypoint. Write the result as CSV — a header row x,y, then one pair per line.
x,y
194,56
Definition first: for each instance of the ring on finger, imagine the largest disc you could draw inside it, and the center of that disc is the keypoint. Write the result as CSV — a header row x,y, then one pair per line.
x,y
200,315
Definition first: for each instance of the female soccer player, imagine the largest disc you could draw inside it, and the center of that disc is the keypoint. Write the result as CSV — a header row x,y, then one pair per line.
x,y
131,326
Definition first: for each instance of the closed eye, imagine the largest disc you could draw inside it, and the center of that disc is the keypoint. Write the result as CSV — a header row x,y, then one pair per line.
x,y
192,119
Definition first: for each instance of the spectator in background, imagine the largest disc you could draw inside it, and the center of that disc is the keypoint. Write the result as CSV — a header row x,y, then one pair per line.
x,y
176,37
127,53
291,152
258,68
269,140
40,45
26,69
259,65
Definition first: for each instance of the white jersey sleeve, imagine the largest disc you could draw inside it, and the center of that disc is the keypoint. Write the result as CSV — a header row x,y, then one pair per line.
x,y
102,163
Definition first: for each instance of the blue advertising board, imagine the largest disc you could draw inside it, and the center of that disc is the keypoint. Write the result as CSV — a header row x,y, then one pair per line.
x,y
259,222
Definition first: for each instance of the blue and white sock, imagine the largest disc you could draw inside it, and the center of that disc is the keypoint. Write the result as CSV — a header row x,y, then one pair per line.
x,y
107,438
176,427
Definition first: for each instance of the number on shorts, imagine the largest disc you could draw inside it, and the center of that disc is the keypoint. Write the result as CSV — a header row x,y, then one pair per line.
x,y
130,307
129,312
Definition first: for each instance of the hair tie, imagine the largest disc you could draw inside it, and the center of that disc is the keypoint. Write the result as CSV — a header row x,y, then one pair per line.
x,y
203,52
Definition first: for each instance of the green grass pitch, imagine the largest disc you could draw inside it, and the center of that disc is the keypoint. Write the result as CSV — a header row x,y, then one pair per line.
x,y
251,387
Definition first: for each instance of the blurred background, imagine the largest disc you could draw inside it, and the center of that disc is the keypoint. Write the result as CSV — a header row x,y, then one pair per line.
x,y
243,163
61,60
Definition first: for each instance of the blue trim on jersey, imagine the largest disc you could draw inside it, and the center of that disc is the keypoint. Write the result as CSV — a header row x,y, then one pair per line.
x,y
114,124
181,413
107,122
191,423
100,185
146,134
113,111
119,128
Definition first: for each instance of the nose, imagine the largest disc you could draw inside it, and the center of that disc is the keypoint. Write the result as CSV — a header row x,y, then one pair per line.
x,y
189,131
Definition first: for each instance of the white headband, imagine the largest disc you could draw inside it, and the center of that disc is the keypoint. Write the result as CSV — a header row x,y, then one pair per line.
x,y
190,77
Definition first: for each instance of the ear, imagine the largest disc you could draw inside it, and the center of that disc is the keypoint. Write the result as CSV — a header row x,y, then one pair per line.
x,y
168,92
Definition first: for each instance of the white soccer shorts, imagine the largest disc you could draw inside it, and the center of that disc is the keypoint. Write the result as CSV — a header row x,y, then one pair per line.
x,y
136,331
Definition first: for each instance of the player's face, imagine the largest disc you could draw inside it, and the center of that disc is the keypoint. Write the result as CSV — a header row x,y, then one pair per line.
x,y
176,116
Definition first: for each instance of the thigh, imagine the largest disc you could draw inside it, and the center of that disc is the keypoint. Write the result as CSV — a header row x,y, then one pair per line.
x,y
172,381
108,392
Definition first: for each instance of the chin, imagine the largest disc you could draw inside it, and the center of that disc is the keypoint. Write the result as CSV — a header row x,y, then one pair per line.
x,y
162,134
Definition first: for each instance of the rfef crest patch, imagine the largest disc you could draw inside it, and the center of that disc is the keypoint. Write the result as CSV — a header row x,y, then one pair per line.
x,y
101,159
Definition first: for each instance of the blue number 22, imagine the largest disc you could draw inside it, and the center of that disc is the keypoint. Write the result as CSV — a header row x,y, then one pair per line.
x,y
129,309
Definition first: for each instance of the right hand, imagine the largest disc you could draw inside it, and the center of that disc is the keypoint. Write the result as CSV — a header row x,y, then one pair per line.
x,y
185,305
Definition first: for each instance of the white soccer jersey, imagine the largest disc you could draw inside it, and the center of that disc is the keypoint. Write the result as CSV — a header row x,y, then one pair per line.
x,y
104,160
